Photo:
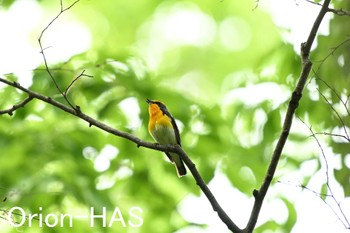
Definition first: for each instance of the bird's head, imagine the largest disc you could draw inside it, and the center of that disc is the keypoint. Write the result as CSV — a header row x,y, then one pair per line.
x,y
155,106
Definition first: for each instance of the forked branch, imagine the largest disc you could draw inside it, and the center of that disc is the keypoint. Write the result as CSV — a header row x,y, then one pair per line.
x,y
340,213
258,194
62,10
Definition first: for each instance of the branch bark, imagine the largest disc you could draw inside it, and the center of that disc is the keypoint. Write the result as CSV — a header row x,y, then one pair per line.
x,y
260,194
16,106
76,111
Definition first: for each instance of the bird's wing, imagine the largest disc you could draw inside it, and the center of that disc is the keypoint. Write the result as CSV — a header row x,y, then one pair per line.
x,y
173,123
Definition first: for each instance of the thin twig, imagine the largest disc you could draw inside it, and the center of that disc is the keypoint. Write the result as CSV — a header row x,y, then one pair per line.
x,y
6,216
336,112
16,106
321,195
344,221
76,79
334,135
333,50
344,103
62,10
339,12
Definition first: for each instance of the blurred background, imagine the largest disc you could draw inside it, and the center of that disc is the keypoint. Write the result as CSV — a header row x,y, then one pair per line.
x,y
225,69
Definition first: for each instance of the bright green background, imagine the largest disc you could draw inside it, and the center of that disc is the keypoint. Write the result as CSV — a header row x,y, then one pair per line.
x,y
42,159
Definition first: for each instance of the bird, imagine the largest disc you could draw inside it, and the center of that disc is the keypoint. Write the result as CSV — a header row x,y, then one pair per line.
x,y
163,129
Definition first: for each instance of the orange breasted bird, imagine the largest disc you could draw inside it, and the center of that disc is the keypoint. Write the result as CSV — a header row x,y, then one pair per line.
x,y
164,130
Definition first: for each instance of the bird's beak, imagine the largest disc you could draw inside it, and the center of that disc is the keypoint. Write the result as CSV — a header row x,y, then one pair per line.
x,y
149,101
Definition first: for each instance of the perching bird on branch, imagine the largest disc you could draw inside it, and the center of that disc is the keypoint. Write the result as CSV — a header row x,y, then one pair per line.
x,y
164,130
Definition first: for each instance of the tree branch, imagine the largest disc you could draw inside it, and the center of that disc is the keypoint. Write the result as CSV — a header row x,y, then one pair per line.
x,y
336,113
200,182
82,74
259,195
165,148
62,10
333,50
16,106
344,103
339,12
342,214
76,111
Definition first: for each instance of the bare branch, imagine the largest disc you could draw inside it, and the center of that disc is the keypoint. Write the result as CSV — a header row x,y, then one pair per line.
x,y
259,195
339,12
306,47
321,195
62,10
347,100
336,112
333,50
5,215
344,103
200,182
168,148
76,79
334,135
76,111
344,219
316,3
16,106
256,5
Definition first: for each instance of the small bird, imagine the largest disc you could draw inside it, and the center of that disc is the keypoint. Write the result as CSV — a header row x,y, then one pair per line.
x,y
164,130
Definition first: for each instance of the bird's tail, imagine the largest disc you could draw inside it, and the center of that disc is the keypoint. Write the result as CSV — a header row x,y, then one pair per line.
x,y
180,167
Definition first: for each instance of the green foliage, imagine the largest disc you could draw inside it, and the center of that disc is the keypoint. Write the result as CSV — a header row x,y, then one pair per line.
x,y
210,84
